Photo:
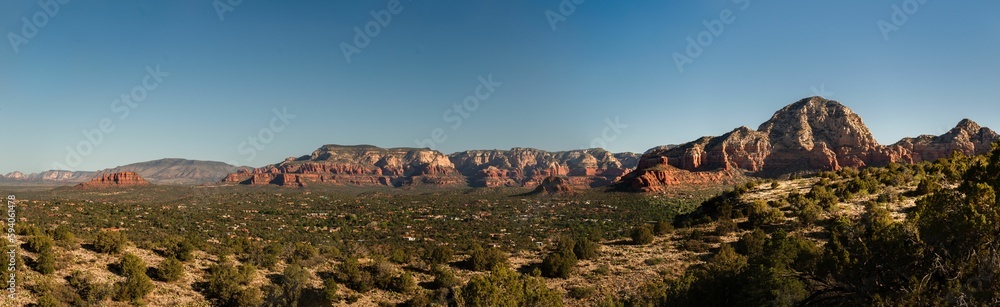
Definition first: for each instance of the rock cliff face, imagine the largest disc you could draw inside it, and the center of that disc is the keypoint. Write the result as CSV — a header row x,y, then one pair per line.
x,y
357,165
112,180
555,185
813,134
528,167
968,138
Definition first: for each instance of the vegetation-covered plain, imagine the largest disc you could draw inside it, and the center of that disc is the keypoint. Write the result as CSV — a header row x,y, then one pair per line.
x,y
920,234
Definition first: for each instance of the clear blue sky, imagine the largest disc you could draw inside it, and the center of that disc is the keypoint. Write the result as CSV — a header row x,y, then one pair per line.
x,y
607,59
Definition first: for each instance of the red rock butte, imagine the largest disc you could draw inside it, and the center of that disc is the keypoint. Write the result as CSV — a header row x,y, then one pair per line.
x,y
813,134
110,180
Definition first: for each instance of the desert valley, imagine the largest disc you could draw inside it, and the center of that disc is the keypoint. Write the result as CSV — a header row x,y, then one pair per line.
x,y
807,209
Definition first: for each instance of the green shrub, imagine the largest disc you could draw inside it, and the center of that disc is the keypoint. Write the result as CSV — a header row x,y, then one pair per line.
x,y
170,270
581,292
46,263
404,283
927,186
726,226
584,249
293,281
398,256
64,237
48,300
39,243
810,214
226,285
351,274
89,290
440,254
662,228
110,242
444,278
382,274
136,285
485,259
180,249
330,289
559,264
265,257
506,288
760,214
642,235
302,252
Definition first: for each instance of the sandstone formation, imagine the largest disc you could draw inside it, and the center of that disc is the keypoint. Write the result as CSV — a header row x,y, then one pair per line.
x,y
361,165
968,138
112,180
555,185
813,134
528,167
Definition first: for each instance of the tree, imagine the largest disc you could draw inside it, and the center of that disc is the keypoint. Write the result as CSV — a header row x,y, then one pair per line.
x,y
293,281
170,270
227,285
110,242
46,263
507,288
584,249
351,274
662,228
179,248
559,264
39,243
444,278
48,300
136,285
302,252
485,259
642,235
88,289
64,237
440,254
404,283
330,289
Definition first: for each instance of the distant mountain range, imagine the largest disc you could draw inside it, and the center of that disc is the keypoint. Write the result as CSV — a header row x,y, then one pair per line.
x,y
813,134
370,165
163,171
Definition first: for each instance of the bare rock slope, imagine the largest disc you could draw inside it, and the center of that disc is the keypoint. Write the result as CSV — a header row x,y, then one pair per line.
x,y
813,134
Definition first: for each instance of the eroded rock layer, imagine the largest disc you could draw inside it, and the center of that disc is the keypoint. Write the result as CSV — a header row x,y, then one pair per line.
x,y
813,134
528,167
361,165
111,180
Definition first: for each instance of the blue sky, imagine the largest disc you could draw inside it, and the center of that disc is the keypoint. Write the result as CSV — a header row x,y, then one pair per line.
x,y
607,61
